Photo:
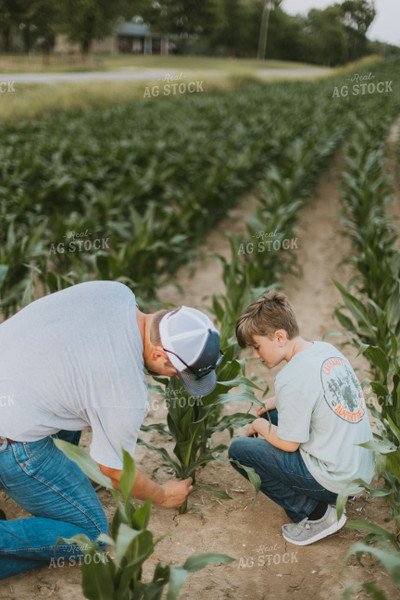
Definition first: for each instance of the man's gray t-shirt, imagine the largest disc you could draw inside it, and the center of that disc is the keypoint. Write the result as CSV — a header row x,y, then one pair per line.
x,y
74,360
321,406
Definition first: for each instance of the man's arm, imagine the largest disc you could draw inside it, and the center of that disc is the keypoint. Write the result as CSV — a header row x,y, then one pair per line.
x,y
171,494
270,433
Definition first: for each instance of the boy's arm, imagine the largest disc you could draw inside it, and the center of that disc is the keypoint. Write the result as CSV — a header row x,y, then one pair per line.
x,y
269,404
270,432
171,494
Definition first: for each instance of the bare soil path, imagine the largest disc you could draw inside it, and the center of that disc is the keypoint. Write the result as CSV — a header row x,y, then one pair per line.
x,y
267,567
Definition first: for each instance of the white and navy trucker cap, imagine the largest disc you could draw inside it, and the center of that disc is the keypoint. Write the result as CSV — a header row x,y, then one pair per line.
x,y
192,343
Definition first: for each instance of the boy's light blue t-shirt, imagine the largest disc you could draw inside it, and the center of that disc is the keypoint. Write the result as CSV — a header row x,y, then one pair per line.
x,y
321,406
74,360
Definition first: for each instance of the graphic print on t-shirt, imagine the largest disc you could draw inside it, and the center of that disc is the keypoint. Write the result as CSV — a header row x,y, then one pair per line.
x,y
342,390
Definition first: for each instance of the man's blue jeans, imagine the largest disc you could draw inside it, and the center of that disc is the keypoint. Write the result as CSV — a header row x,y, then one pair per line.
x,y
284,476
47,484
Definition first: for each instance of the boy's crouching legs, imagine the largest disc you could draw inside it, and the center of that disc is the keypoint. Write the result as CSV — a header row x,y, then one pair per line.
x,y
284,476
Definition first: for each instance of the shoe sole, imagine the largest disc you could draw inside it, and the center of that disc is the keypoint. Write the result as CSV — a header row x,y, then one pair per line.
x,y
319,536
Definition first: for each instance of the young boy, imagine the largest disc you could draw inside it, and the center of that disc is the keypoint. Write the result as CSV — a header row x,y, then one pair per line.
x,y
308,448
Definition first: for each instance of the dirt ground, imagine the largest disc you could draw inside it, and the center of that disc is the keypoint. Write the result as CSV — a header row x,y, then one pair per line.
x,y
266,565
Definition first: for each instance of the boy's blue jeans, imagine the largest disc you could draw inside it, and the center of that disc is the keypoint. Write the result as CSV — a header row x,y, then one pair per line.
x,y
284,476
47,484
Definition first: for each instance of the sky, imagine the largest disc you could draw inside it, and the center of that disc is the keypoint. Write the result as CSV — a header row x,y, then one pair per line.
x,y
384,28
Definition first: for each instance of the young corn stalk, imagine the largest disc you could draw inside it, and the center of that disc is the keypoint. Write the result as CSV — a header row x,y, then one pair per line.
x,y
191,422
19,253
373,302
373,296
120,577
87,171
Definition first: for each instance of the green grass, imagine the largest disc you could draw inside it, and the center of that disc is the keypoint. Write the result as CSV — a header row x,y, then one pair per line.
x,y
35,100
371,61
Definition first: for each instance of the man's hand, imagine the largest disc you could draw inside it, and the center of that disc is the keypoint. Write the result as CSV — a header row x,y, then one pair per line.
x,y
169,495
174,493
269,404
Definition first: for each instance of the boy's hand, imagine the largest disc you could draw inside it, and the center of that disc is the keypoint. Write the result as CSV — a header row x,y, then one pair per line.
x,y
251,432
269,404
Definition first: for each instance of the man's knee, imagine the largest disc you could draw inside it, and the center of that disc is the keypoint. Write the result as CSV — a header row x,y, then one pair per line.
x,y
103,525
97,525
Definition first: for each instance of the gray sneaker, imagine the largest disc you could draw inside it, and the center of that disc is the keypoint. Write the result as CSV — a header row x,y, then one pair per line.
x,y
308,532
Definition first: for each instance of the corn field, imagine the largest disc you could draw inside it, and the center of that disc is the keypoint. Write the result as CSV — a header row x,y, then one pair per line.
x,y
129,193
370,315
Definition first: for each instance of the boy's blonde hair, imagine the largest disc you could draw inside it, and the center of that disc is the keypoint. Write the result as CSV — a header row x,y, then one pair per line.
x,y
264,316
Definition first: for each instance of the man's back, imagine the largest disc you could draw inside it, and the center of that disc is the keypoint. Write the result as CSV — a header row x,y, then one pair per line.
x,y
73,360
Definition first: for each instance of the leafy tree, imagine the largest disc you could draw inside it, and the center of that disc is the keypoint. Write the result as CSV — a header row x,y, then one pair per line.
x,y
328,36
31,19
9,17
184,18
86,20
39,20
286,37
230,27
357,16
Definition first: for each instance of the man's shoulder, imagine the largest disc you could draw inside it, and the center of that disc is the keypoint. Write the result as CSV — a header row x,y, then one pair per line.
x,y
89,300
94,292
99,285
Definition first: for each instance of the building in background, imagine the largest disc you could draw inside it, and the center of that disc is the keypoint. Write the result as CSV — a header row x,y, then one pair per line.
x,y
128,37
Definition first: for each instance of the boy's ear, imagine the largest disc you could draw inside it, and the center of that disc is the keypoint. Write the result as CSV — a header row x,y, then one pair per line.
x,y
281,336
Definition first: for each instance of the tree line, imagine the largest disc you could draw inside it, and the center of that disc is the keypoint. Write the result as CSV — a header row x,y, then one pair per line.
x,y
235,28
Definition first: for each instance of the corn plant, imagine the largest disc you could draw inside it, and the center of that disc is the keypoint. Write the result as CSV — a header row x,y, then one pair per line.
x,y
145,251
379,544
240,291
191,422
366,195
117,171
373,296
387,412
191,426
120,578
373,327
18,253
